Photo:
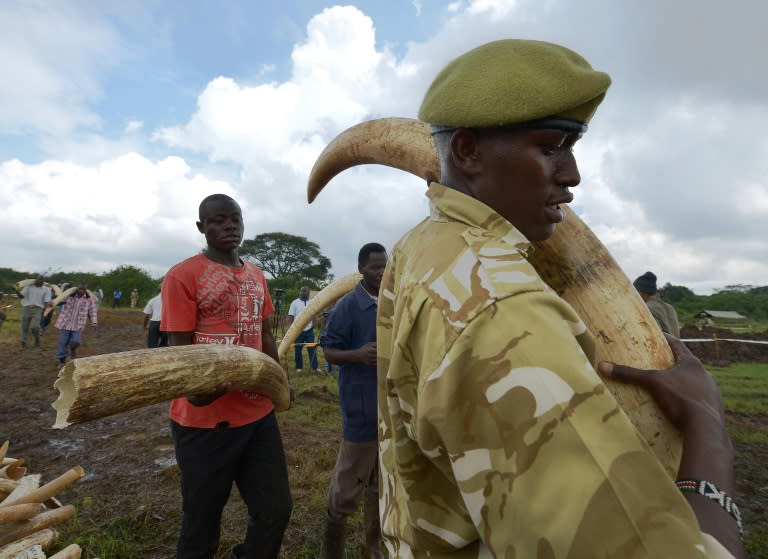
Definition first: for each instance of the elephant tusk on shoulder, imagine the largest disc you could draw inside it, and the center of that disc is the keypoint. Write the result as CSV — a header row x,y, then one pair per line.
x,y
402,143
327,297
573,262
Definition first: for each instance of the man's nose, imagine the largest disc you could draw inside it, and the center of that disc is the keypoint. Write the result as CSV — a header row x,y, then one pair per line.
x,y
568,171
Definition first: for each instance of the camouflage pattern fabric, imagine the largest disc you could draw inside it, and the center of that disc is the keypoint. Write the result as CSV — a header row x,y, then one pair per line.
x,y
665,315
497,437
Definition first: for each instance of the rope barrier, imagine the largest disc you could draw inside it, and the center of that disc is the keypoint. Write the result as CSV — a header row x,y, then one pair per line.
x,y
765,342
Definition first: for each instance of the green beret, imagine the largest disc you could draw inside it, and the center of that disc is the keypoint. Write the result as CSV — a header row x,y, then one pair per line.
x,y
514,81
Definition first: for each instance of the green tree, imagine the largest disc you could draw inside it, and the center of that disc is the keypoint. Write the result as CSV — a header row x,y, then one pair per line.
x,y
674,294
126,278
287,258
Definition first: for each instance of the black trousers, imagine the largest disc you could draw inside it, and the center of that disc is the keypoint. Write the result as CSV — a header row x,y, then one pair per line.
x,y
156,338
210,460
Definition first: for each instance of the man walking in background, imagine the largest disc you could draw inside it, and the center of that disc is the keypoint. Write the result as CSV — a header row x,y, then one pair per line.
x,y
71,322
307,336
117,295
134,297
664,313
34,298
153,311
349,341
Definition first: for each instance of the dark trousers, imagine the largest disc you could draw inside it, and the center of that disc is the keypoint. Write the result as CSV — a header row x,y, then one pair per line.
x,y
252,457
156,338
306,337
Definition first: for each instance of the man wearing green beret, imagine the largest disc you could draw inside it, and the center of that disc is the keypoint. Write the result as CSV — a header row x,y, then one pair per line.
x,y
497,436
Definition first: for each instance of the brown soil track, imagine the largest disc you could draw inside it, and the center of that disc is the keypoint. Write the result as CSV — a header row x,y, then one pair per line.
x,y
721,352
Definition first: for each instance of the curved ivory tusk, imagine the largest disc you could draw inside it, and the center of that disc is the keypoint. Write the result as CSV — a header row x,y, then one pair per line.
x,y
63,297
327,297
573,262
103,385
19,285
395,142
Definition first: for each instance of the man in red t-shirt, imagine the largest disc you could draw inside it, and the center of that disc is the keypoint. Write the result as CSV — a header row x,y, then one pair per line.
x,y
225,436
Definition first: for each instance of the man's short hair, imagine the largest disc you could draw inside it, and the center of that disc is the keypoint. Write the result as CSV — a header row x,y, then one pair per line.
x,y
365,253
213,198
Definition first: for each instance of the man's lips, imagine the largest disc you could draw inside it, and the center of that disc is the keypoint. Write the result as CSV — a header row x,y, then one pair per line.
x,y
554,212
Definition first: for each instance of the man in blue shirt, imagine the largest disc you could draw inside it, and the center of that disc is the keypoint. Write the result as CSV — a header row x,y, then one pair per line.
x,y
350,342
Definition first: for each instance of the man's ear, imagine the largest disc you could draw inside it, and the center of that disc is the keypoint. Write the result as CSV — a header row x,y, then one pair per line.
x,y
465,151
200,226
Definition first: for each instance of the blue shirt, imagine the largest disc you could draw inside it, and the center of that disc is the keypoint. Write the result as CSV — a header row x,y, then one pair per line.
x,y
352,324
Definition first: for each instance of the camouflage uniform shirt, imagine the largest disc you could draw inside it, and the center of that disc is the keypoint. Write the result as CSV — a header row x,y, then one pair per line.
x,y
497,437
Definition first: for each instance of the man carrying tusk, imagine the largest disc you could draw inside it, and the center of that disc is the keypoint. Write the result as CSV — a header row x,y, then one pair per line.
x,y
225,436
497,436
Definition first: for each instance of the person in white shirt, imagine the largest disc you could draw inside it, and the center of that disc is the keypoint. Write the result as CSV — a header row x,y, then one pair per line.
x,y
153,310
307,336
34,298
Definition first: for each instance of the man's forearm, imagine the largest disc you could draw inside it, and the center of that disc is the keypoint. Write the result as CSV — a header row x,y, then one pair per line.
x,y
708,456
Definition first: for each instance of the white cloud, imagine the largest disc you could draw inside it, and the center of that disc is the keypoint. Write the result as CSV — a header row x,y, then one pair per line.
x,y
124,209
133,126
674,172
52,57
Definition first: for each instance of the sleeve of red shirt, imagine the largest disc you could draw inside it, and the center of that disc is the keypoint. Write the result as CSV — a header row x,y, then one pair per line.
x,y
179,298
268,306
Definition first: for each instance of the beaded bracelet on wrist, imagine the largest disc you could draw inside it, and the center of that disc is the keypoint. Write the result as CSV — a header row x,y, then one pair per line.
x,y
710,491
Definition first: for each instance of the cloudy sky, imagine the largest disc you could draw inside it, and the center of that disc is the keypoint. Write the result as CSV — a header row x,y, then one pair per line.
x,y
117,118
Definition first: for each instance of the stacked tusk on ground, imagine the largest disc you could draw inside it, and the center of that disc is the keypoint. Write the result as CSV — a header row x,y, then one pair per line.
x,y
573,262
103,385
72,551
327,297
28,512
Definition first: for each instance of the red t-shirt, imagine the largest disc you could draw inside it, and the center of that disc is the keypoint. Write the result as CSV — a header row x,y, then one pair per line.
x,y
220,305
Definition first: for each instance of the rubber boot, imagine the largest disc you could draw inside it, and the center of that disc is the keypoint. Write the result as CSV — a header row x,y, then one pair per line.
x,y
333,537
373,547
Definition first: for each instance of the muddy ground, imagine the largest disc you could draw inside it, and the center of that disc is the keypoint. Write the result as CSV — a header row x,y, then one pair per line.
x,y
130,490
131,487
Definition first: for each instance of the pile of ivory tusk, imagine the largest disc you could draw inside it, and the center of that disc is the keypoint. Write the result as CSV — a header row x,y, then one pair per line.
x,y
29,511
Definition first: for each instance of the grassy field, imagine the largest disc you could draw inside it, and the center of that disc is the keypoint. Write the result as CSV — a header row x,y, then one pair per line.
x,y
128,505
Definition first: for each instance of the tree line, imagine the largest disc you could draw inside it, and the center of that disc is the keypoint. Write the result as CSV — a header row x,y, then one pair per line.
x,y
291,261
749,301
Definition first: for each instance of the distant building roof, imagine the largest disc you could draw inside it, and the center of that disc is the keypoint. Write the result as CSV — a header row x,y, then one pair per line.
x,y
726,315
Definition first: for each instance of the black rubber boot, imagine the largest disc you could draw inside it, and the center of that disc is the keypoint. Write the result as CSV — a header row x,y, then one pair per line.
x,y
373,547
333,537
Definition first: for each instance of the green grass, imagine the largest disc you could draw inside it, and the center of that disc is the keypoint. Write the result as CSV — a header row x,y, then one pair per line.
x,y
744,387
745,395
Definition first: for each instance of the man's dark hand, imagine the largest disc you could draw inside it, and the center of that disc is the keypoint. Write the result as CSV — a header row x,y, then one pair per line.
x,y
368,354
686,392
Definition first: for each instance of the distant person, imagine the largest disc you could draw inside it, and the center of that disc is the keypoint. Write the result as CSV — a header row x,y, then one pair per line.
x,y
134,297
117,295
307,336
225,436
3,316
71,322
153,311
34,299
664,313
350,342
99,292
